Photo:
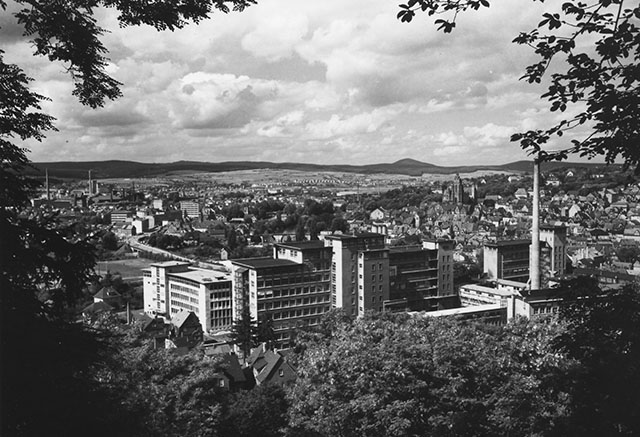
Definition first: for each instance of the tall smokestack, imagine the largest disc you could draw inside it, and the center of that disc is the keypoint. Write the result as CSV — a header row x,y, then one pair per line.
x,y
90,187
46,183
534,264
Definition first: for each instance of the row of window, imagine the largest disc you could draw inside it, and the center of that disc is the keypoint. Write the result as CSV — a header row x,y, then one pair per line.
x,y
178,304
280,315
220,295
545,310
293,291
285,280
183,289
185,281
293,303
184,298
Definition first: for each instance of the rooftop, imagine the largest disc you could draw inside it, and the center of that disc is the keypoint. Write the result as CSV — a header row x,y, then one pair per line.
x,y
301,245
202,276
507,243
264,262
484,289
352,237
457,311
170,264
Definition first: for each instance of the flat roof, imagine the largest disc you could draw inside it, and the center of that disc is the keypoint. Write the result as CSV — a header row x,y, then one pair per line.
x,y
352,236
301,245
485,289
462,310
409,248
265,262
202,276
170,264
506,243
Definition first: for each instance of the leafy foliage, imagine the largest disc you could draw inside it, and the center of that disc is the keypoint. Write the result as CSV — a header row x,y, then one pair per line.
x,y
603,337
598,88
245,332
387,375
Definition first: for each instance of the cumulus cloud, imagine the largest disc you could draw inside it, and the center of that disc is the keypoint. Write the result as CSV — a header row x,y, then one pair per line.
x,y
311,81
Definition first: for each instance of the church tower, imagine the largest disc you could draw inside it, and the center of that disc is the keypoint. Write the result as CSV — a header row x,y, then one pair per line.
x,y
458,190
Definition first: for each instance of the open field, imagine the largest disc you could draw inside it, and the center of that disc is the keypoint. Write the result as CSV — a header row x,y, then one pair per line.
x,y
128,268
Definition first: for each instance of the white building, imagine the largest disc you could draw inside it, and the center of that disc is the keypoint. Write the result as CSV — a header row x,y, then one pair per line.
x,y
171,286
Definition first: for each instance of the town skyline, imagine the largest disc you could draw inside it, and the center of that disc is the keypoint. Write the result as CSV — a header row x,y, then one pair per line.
x,y
324,84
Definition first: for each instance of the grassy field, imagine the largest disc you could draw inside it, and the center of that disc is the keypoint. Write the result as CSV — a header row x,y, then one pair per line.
x,y
127,268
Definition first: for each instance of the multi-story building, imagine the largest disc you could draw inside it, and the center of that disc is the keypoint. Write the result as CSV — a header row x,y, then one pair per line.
x,y
421,277
190,208
344,265
121,216
556,239
507,260
303,280
292,288
171,286
372,279
366,275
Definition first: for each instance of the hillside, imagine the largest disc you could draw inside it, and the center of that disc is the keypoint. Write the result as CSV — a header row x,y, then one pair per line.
x,y
127,169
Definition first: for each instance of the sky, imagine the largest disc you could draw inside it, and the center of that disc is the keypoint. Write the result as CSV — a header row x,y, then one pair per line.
x,y
326,82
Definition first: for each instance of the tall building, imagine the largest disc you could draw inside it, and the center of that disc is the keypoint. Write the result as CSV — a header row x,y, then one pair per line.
x,y
458,190
171,286
507,260
292,288
344,265
366,275
421,277
556,239
372,280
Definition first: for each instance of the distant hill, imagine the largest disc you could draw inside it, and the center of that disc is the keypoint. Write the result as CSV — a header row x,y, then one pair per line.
x,y
128,169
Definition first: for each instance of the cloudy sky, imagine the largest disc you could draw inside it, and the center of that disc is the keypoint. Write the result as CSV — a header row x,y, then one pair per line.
x,y
303,81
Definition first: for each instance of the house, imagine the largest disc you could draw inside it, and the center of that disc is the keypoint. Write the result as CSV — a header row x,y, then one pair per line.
x,y
521,193
108,295
230,375
270,367
94,309
378,214
185,331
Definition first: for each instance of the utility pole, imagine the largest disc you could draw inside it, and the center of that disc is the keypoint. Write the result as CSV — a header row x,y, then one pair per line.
x,y
534,263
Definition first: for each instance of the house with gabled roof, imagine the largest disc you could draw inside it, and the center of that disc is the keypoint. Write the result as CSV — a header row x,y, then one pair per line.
x,y
270,366
108,295
185,331
230,375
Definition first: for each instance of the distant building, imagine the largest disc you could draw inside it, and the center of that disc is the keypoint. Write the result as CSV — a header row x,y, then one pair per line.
x,y
120,216
190,208
159,204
